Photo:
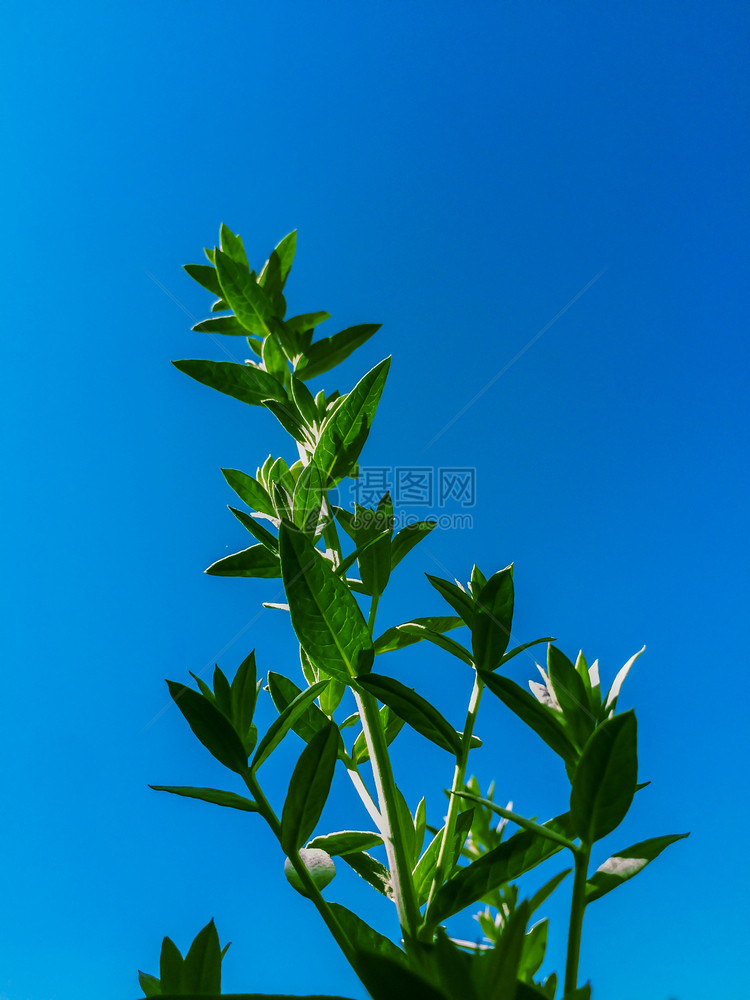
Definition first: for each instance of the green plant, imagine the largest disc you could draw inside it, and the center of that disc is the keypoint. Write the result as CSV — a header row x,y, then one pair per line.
x,y
429,873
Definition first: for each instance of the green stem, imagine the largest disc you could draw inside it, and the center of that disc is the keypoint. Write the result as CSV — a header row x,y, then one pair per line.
x,y
402,882
527,824
312,891
577,909
445,858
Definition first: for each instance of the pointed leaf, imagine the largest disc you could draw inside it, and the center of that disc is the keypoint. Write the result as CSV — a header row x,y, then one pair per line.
x,y
387,979
149,984
250,491
493,617
206,276
308,498
226,326
458,599
247,383
409,536
212,728
257,530
371,870
325,615
346,429
449,645
540,718
325,354
309,788
511,859
201,972
363,937
170,967
286,721
571,695
624,865
398,637
346,842
255,561
215,796
605,779
414,709
525,645
247,300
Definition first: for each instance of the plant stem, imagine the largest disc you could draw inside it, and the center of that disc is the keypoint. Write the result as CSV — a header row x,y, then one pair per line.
x,y
459,778
402,882
577,909
313,893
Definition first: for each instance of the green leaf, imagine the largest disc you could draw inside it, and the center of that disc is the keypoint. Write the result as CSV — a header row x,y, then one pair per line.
x,y
325,614
538,717
149,984
284,692
283,258
247,383
375,559
534,950
247,300
201,971
614,692
504,863
286,721
256,561
306,322
414,709
543,894
243,695
407,538
206,276
371,870
309,788
226,326
571,695
308,498
346,842
304,400
398,637
345,431
232,246
250,491
449,645
215,796
325,354
257,530
458,599
363,937
624,865
387,979
582,993
212,728
221,692
605,778
525,645
284,413
499,968
493,617
170,967
274,359
391,724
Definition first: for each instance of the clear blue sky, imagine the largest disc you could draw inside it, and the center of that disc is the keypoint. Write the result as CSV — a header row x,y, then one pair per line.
x,y
458,172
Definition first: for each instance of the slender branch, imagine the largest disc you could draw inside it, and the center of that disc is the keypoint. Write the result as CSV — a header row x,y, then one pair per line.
x,y
402,882
312,891
577,909
459,779
521,821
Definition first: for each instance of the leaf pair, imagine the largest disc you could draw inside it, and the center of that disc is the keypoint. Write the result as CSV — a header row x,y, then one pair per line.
x,y
199,972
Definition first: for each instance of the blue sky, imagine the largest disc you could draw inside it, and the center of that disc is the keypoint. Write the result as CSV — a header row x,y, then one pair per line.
x,y
458,172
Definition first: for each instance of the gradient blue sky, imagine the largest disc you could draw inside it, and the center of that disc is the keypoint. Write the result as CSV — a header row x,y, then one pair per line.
x,y
458,172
